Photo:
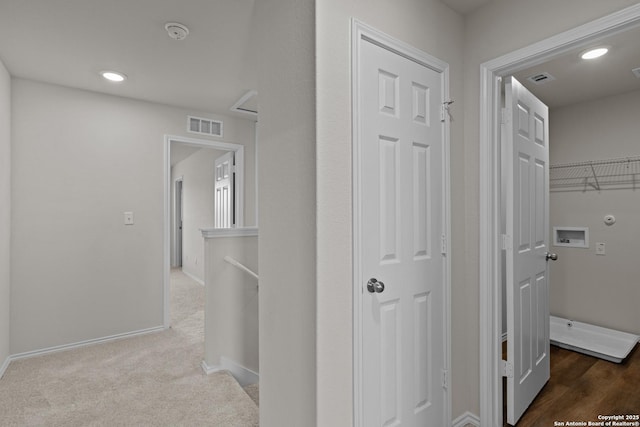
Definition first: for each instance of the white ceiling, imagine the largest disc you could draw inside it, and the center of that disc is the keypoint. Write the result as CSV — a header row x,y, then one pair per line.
x,y
465,6
69,42
579,80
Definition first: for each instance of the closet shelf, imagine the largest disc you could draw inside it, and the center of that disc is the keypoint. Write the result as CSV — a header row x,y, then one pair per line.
x,y
597,174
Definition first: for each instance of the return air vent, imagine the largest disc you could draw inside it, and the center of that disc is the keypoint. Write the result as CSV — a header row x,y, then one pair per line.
x,y
636,71
541,78
204,126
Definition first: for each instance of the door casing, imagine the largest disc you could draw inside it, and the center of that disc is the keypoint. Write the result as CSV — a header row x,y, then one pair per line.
x,y
490,246
359,32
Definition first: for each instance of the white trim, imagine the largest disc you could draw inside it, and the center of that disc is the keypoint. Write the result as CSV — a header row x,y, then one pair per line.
x,y
192,277
490,189
361,31
466,419
212,233
80,344
244,376
239,156
4,366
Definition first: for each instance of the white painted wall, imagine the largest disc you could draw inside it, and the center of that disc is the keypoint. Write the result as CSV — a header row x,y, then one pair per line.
x,y
231,317
499,27
284,36
5,212
79,160
197,172
428,25
602,290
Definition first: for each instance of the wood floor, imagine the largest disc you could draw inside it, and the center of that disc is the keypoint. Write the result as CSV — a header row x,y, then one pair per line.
x,y
582,387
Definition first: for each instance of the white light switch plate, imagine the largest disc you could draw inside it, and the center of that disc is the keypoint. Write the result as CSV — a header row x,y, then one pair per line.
x,y
600,249
128,218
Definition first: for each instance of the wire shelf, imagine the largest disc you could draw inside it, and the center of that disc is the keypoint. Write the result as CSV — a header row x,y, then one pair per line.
x,y
598,174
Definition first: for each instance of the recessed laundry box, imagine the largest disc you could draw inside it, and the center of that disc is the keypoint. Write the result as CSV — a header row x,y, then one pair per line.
x,y
574,237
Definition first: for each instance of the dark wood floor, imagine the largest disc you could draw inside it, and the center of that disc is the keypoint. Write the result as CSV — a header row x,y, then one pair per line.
x,y
582,387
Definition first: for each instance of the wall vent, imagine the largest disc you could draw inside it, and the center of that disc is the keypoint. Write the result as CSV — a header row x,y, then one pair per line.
x,y
204,126
636,71
541,78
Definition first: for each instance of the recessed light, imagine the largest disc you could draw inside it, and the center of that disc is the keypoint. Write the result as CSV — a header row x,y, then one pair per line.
x,y
113,76
594,53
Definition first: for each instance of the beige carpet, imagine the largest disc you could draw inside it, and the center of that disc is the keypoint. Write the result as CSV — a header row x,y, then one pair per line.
x,y
151,380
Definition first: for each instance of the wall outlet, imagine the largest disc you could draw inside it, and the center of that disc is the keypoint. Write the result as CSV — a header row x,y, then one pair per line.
x,y
600,250
128,218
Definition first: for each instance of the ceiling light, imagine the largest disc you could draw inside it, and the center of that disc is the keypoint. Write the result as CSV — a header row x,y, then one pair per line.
x,y
594,53
113,76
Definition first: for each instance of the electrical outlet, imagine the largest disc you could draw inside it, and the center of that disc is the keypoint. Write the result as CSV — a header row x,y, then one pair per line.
x,y
128,218
600,249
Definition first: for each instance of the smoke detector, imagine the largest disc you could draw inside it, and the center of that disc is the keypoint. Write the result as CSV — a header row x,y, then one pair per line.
x,y
176,31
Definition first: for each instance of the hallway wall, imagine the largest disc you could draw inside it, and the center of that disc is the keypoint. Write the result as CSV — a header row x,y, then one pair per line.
x,y
5,213
79,160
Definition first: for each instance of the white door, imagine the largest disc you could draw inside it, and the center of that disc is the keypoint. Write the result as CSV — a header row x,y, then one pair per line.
x,y
402,181
179,220
527,147
224,191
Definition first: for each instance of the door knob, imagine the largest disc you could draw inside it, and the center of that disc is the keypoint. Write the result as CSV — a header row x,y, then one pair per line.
x,y
374,286
551,256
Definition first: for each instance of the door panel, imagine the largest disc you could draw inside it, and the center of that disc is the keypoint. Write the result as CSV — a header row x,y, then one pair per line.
x,y
224,191
402,181
527,222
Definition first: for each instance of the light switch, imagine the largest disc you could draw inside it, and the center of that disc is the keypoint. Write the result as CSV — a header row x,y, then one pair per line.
x,y
600,249
128,218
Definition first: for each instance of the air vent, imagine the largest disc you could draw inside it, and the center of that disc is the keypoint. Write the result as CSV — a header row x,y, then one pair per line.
x,y
636,71
204,126
541,78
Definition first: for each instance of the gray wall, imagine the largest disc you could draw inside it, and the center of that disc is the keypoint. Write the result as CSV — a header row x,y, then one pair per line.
x,y
287,200
602,290
79,160
500,27
434,28
5,212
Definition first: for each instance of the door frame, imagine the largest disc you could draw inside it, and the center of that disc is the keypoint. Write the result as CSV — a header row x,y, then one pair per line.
x,y
166,229
177,221
361,32
490,242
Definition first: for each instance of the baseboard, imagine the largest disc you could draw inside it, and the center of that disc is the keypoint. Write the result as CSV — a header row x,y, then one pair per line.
x,y
466,420
4,366
243,375
75,345
192,277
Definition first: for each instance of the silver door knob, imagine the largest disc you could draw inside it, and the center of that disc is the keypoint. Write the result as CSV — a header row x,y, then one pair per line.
x,y
374,286
551,256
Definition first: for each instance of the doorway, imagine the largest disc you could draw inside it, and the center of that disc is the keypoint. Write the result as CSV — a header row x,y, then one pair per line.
x,y
401,228
178,222
172,143
491,403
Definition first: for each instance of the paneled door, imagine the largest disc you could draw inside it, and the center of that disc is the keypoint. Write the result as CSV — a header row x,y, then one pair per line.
x,y
527,236
224,191
402,250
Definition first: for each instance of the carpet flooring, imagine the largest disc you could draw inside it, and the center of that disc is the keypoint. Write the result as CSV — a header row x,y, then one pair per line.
x,y
149,380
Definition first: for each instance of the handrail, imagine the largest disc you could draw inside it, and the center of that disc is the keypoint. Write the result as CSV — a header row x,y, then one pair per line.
x,y
242,267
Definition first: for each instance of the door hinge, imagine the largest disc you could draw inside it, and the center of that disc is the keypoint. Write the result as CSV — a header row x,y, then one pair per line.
x,y
507,369
444,110
506,242
445,378
443,244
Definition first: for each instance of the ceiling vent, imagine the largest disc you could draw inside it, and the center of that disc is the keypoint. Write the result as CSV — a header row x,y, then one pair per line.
x,y
541,78
204,126
636,71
